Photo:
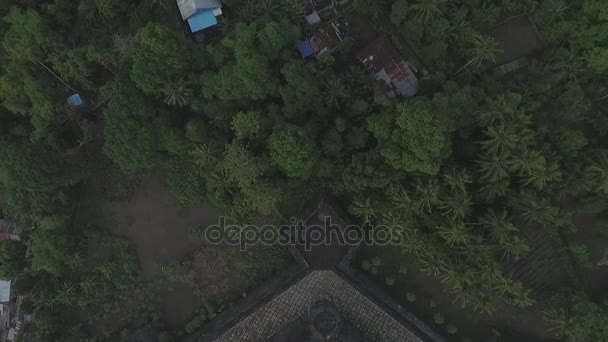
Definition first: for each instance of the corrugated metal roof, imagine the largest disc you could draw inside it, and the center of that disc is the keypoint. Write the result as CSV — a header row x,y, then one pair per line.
x,y
305,49
75,100
10,227
188,8
5,291
313,18
324,39
381,59
202,20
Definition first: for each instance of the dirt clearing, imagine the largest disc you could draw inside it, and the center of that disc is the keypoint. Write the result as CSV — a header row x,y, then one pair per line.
x,y
158,225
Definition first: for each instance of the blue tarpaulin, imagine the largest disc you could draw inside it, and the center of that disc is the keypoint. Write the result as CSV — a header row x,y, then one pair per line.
x,y
201,20
305,49
75,100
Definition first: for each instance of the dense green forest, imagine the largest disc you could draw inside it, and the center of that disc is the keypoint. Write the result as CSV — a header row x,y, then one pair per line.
x,y
245,124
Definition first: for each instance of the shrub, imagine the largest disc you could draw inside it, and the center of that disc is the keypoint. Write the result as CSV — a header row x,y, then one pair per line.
x,y
376,261
164,337
411,297
366,265
390,281
452,329
439,319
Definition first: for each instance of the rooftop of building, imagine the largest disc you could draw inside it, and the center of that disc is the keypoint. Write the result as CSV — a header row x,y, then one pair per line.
x,y
517,37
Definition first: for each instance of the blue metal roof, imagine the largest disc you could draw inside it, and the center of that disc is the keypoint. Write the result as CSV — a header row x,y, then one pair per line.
x,y
75,100
305,49
201,20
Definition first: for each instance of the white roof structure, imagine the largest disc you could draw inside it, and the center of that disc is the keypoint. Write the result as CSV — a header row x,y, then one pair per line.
x,y
5,291
188,7
313,18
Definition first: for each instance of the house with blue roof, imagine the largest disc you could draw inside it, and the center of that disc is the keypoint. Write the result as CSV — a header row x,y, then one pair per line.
x,y
200,14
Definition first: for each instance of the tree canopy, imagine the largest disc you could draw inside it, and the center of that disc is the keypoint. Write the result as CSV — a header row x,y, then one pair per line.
x,y
413,136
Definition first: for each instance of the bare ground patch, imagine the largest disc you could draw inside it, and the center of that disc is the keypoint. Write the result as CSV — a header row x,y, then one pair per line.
x,y
179,272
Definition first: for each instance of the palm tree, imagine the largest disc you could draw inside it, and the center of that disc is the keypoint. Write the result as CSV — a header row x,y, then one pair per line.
x,y
65,295
524,163
253,9
391,219
537,210
456,206
204,156
499,226
433,263
492,190
596,174
239,217
476,253
482,303
490,115
520,297
499,139
426,195
177,93
414,243
563,324
363,208
335,93
513,245
457,234
218,183
456,279
489,273
374,8
559,12
161,4
457,180
428,9
541,175
503,285
460,29
493,167
499,110
75,261
402,202
483,49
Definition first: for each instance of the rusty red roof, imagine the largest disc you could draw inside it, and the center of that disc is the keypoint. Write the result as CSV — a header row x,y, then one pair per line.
x,y
381,59
324,39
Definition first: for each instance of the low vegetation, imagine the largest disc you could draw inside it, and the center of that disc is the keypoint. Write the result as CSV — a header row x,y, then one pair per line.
x,y
469,167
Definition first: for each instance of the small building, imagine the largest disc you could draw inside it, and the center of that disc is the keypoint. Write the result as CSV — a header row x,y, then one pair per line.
x,y
316,9
75,100
319,5
305,49
5,291
320,297
326,38
519,42
200,14
10,231
386,64
313,18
